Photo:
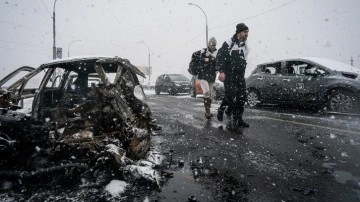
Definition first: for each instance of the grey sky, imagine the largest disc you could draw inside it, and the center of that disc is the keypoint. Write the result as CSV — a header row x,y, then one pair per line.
x,y
173,30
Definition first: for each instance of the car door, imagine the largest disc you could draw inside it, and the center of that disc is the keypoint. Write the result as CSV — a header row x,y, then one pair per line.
x,y
311,87
266,80
295,86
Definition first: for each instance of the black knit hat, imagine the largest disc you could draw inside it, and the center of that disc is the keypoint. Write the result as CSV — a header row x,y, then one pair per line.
x,y
241,27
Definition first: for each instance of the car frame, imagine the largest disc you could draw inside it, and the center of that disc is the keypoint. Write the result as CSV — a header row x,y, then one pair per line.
x,y
326,84
54,89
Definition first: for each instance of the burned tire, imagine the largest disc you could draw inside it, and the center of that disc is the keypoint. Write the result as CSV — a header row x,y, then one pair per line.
x,y
342,101
157,90
253,98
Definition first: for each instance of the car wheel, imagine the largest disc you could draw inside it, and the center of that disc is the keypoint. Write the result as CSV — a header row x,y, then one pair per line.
x,y
342,101
157,90
192,92
253,98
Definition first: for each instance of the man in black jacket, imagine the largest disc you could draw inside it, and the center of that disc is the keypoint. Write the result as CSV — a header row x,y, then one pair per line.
x,y
203,65
231,63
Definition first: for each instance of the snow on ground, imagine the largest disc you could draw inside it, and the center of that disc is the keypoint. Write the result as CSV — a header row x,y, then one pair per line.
x,y
116,187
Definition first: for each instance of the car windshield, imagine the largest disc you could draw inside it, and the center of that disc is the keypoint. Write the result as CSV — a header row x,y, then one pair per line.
x,y
178,77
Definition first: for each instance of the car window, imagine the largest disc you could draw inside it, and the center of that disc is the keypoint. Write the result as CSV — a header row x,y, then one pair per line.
x,y
178,78
166,78
313,70
34,82
297,68
56,78
20,75
271,68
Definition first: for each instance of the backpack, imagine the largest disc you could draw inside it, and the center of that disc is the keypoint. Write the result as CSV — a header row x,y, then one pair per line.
x,y
195,63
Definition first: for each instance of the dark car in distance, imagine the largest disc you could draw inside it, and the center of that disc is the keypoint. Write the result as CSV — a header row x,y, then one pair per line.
x,y
326,84
172,84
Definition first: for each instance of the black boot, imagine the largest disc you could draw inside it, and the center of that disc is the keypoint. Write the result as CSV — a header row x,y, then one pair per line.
x,y
228,113
220,115
242,123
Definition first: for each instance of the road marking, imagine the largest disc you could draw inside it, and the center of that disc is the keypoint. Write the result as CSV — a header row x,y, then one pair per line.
x,y
308,124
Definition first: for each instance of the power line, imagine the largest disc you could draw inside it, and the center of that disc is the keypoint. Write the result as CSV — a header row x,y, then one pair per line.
x,y
222,26
41,12
254,16
46,8
24,26
22,50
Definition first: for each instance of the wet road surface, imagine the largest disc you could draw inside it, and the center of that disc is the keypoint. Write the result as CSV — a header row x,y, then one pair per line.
x,y
285,155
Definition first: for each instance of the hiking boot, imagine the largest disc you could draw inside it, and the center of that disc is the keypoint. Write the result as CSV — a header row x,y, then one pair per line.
x,y
207,104
232,127
220,115
228,114
242,123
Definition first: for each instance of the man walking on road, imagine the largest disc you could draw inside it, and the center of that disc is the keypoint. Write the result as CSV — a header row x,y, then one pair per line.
x,y
231,63
204,61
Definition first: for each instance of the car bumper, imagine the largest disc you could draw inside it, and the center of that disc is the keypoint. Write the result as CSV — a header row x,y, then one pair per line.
x,y
183,89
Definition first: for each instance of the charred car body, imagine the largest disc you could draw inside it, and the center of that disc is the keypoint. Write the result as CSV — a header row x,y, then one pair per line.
x,y
85,112
319,82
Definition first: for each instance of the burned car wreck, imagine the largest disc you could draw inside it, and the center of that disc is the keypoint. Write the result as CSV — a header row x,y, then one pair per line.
x,y
88,122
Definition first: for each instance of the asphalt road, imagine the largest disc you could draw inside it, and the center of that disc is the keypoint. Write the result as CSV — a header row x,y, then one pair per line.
x,y
285,155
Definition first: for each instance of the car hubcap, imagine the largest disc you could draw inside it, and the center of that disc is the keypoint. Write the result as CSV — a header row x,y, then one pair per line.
x,y
253,99
341,103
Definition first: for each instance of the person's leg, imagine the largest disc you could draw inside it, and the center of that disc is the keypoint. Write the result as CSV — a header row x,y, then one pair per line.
x,y
207,99
225,102
239,103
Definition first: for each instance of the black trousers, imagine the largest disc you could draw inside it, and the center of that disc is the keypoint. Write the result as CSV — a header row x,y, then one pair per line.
x,y
235,97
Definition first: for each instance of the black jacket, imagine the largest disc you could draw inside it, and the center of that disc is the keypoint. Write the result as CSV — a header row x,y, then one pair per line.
x,y
203,62
231,59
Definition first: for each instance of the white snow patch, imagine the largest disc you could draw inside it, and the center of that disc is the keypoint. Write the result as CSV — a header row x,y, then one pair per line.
x,y
146,199
116,187
61,130
344,154
144,172
332,136
113,149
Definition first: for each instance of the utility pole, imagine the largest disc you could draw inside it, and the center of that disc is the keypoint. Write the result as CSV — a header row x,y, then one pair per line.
x,y
352,61
54,40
